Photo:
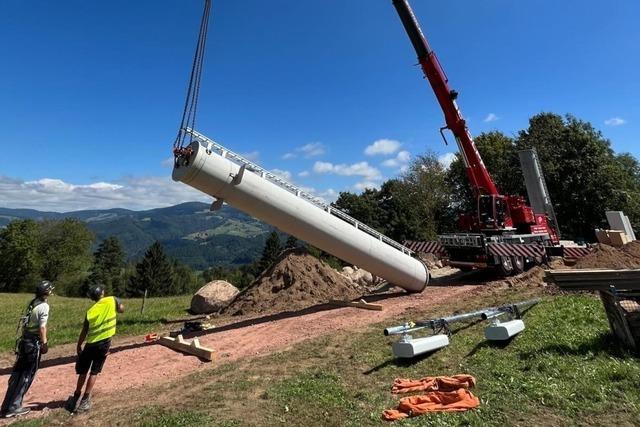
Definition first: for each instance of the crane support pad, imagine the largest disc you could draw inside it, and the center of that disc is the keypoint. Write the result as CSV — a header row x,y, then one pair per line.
x,y
509,249
428,247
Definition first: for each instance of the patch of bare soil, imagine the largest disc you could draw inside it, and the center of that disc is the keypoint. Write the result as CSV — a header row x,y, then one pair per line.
x,y
606,256
296,281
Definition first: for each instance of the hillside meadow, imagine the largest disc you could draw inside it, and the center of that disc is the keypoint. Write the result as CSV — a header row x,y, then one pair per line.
x,y
67,315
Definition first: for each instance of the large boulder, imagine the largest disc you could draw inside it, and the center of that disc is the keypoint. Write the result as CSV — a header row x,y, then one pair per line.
x,y
432,261
213,296
359,276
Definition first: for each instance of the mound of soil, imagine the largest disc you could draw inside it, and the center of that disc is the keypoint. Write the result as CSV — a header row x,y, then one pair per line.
x,y
533,278
296,281
606,256
633,249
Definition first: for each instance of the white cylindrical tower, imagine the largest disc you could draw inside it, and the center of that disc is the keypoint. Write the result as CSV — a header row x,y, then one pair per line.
x,y
254,194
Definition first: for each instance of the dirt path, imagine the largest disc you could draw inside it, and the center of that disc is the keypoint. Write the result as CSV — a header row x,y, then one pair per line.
x,y
135,365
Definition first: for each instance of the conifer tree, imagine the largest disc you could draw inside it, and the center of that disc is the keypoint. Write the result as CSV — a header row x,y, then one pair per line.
x,y
108,266
272,249
154,274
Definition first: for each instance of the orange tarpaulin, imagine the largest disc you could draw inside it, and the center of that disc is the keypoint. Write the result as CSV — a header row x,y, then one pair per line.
x,y
402,385
444,394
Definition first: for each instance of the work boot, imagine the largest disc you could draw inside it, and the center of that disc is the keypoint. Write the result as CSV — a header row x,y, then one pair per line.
x,y
17,412
85,405
71,403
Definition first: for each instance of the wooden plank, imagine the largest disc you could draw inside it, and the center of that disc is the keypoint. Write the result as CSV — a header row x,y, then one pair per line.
x,y
357,304
596,279
183,346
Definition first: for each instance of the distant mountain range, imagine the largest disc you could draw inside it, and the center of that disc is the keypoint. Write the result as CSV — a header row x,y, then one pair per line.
x,y
189,231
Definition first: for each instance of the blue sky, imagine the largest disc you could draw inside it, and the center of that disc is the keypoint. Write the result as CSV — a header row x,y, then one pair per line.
x,y
92,91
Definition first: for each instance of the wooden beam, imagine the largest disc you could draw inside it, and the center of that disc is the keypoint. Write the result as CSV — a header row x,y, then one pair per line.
x,y
183,346
357,304
596,279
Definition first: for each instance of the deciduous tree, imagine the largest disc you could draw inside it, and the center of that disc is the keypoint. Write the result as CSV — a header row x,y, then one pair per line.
x,y
20,260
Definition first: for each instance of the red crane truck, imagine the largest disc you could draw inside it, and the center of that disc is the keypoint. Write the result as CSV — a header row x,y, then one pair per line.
x,y
503,232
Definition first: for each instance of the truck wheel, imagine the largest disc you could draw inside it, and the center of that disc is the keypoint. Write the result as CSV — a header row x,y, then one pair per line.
x,y
505,267
518,264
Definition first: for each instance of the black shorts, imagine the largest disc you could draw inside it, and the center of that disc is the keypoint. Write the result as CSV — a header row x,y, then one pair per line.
x,y
93,357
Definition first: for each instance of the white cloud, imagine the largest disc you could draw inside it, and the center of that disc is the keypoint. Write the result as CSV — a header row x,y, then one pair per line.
x,y
390,163
615,121
382,146
491,117
312,149
329,193
286,175
363,185
253,156
132,193
323,167
48,185
446,159
404,156
303,174
356,169
400,161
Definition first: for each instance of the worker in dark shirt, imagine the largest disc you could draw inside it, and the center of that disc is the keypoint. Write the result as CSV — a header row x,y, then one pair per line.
x,y
98,329
32,343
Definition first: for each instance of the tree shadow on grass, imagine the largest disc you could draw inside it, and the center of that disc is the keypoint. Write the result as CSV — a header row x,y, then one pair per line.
x,y
603,344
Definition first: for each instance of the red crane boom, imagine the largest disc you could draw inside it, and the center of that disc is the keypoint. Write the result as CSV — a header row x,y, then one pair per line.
x,y
477,173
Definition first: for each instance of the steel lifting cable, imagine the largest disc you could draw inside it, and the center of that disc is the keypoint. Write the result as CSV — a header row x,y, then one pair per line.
x,y
191,101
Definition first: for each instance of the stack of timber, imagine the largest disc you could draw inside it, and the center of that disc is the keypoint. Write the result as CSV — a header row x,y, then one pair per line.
x,y
616,238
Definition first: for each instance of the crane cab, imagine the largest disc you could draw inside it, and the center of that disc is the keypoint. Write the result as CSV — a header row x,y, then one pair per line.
x,y
493,213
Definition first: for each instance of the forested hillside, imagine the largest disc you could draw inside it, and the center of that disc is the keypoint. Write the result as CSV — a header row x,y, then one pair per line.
x,y
189,232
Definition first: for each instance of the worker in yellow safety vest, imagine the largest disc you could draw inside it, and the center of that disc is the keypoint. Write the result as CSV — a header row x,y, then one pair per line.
x,y
99,327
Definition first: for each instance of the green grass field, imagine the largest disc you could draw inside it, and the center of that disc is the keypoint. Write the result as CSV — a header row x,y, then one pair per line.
x,y
565,369
67,315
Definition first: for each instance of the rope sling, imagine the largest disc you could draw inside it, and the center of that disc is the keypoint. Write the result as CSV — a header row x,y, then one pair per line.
x,y
183,139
